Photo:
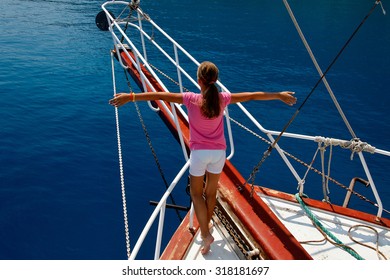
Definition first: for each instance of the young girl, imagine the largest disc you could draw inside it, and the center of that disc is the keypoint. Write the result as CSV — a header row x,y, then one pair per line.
x,y
207,140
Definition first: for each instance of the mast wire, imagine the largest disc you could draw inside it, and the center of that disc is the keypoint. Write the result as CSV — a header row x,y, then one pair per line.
x,y
319,69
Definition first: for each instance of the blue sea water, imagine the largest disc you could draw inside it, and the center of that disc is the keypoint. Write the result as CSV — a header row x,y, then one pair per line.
x,y
60,195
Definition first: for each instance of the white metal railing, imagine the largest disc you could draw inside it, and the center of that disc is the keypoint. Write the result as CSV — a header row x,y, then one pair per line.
x,y
141,59
160,209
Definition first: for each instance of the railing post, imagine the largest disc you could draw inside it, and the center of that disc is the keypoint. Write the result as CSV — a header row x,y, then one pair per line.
x,y
142,37
378,199
156,210
160,231
173,106
192,216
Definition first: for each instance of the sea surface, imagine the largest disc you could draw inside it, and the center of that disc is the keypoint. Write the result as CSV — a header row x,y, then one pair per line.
x,y
60,190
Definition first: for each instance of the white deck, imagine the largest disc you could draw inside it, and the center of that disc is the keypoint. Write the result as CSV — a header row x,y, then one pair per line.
x,y
300,225
221,249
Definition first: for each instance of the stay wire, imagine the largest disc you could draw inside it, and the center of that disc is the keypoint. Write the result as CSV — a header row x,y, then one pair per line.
x,y
273,144
304,41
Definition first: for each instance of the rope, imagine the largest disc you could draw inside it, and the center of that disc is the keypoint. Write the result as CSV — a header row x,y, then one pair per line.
x,y
318,224
376,249
122,184
325,177
354,145
122,178
309,167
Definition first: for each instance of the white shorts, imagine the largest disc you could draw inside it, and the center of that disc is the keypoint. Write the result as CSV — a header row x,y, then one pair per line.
x,y
212,161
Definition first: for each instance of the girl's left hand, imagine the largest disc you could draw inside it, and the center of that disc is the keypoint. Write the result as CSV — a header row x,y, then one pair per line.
x,y
288,98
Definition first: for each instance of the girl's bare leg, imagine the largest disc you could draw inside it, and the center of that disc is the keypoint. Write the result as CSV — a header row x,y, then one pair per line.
x,y
211,194
201,211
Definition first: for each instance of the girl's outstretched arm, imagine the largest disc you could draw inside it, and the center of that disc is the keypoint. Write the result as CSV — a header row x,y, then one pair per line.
x,y
123,98
285,96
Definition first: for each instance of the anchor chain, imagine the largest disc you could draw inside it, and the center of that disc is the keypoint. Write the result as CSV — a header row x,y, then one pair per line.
x,y
244,247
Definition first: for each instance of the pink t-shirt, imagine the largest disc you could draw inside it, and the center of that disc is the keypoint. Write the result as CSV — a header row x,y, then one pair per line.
x,y
205,134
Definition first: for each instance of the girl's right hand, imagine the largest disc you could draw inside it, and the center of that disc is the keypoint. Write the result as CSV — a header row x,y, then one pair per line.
x,y
120,99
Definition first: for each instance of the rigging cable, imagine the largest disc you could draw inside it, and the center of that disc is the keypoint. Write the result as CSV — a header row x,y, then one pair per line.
x,y
273,144
336,241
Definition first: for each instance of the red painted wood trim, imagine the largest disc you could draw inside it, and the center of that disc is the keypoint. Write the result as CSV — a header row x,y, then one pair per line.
x,y
180,241
271,234
332,208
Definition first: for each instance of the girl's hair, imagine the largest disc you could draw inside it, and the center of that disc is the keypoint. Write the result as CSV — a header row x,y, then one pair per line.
x,y
208,74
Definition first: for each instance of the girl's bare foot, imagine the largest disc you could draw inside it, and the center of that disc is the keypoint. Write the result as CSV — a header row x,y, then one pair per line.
x,y
206,244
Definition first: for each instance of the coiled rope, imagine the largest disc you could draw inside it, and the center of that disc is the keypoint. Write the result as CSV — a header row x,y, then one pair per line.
x,y
376,249
318,224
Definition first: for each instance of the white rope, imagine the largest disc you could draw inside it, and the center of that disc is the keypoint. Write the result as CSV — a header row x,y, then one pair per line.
x,y
326,187
122,184
324,190
122,177
354,145
309,166
383,9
